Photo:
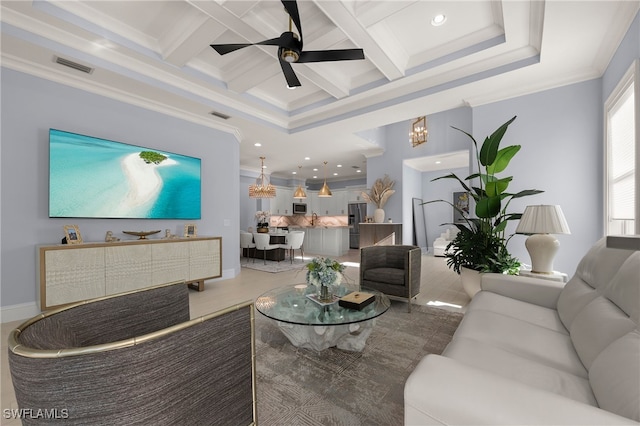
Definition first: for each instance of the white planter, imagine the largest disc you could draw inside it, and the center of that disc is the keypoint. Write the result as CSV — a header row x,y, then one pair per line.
x,y
378,216
470,281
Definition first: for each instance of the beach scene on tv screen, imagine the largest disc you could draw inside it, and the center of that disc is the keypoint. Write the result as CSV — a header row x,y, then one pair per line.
x,y
92,177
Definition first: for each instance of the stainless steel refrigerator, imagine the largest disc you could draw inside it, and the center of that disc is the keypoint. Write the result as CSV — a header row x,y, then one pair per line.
x,y
357,213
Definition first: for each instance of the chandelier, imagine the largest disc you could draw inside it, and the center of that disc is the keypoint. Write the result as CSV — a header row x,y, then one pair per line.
x,y
262,188
418,133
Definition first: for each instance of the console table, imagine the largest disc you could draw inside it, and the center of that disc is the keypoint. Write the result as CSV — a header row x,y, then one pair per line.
x,y
70,273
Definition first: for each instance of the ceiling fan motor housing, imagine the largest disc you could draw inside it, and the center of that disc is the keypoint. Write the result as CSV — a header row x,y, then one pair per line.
x,y
290,48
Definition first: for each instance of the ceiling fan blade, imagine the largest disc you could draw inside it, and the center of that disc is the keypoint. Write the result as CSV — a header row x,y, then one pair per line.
x,y
331,55
289,75
223,49
292,9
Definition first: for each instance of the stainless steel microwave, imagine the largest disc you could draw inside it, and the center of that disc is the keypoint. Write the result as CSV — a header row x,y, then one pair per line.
x,y
299,208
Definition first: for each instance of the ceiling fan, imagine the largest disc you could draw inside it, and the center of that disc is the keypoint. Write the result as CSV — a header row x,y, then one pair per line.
x,y
290,48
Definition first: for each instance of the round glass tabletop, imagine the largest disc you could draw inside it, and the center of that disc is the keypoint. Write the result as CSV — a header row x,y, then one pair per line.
x,y
297,304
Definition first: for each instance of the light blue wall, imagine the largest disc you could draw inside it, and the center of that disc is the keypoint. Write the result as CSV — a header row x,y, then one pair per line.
x,y
627,52
437,214
442,138
30,106
560,132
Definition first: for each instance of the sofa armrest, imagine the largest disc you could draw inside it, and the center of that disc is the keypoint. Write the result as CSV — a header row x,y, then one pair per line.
x,y
528,289
444,391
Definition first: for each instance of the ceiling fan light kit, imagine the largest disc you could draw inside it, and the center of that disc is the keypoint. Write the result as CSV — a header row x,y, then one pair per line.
x,y
290,48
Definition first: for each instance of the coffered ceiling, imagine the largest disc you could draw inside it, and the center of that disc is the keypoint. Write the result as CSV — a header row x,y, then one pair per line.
x,y
156,54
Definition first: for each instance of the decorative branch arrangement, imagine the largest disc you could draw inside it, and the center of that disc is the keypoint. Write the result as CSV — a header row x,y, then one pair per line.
x,y
380,192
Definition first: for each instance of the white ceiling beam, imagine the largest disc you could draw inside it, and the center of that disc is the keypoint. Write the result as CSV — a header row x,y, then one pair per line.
x,y
185,40
337,12
372,12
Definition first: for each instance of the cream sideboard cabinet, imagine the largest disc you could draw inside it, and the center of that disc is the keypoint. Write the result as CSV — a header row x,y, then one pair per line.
x,y
70,273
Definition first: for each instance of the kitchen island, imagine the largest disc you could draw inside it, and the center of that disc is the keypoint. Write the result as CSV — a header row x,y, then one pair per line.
x,y
325,240
380,234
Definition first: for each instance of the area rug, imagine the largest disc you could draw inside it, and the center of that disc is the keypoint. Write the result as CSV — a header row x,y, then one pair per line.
x,y
336,387
273,266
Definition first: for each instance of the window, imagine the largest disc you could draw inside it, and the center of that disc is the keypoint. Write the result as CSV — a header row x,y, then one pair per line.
x,y
621,156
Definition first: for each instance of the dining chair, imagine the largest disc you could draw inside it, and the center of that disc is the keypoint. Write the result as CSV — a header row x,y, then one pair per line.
x,y
246,242
262,243
294,242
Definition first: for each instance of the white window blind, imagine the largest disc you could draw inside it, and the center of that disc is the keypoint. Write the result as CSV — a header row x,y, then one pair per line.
x,y
621,160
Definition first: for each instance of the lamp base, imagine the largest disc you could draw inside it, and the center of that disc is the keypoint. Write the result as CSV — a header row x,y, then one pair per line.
x,y
542,249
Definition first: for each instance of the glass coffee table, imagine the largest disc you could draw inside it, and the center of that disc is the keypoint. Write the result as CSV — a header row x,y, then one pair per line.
x,y
312,325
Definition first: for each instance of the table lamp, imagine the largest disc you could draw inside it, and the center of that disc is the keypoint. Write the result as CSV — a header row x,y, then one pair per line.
x,y
540,222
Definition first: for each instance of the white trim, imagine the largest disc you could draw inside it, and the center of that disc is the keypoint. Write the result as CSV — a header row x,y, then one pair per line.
x,y
631,76
22,311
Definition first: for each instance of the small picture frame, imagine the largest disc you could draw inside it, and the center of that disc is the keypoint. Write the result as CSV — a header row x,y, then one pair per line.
x,y
72,234
190,230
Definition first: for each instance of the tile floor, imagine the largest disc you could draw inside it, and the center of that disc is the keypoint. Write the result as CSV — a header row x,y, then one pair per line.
x,y
440,287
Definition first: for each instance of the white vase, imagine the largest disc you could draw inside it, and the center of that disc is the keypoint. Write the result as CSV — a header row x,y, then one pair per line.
x,y
470,281
378,216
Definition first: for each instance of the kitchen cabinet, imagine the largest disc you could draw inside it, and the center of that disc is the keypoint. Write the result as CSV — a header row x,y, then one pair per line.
x,y
282,204
331,241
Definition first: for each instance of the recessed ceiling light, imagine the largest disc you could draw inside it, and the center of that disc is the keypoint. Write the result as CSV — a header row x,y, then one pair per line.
x,y
438,162
307,158
294,173
438,20
339,165
315,170
315,177
358,171
257,144
335,174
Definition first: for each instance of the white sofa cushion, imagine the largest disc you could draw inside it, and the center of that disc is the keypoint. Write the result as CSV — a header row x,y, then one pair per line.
x,y
595,270
534,314
442,390
615,376
540,344
598,325
521,369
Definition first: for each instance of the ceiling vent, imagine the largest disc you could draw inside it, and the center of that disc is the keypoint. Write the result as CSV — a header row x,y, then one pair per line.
x,y
74,65
220,115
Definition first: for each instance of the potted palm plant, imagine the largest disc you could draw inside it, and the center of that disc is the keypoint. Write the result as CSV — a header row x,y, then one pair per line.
x,y
481,243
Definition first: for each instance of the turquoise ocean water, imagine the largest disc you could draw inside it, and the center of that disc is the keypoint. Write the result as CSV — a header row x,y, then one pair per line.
x,y
86,179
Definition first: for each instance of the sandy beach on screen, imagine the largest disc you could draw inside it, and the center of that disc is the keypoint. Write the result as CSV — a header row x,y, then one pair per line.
x,y
144,181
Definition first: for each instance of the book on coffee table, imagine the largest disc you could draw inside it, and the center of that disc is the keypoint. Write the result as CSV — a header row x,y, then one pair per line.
x,y
357,300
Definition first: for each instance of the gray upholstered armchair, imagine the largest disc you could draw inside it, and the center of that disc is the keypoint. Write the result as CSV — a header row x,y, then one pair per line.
x,y
393,270
137,358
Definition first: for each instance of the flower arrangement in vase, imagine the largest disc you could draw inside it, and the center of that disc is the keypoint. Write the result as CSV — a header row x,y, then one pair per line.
x,y
323,273
263,221
380,192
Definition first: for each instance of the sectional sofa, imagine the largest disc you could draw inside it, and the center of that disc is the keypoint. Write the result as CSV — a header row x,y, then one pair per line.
x,y
532,351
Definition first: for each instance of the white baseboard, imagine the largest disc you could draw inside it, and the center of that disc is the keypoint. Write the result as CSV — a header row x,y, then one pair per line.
x,y
19,312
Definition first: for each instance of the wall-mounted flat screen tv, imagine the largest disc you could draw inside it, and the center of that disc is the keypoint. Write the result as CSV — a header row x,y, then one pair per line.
x,y
97,178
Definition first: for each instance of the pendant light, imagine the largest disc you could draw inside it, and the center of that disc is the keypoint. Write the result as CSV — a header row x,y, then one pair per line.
x,y
325,191
262,188
300,190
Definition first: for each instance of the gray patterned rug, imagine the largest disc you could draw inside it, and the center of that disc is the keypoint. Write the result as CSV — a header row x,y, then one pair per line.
x,y
273,266
335,387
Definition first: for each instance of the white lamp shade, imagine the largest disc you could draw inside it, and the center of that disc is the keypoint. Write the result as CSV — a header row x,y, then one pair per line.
x,y
543,219
539,222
